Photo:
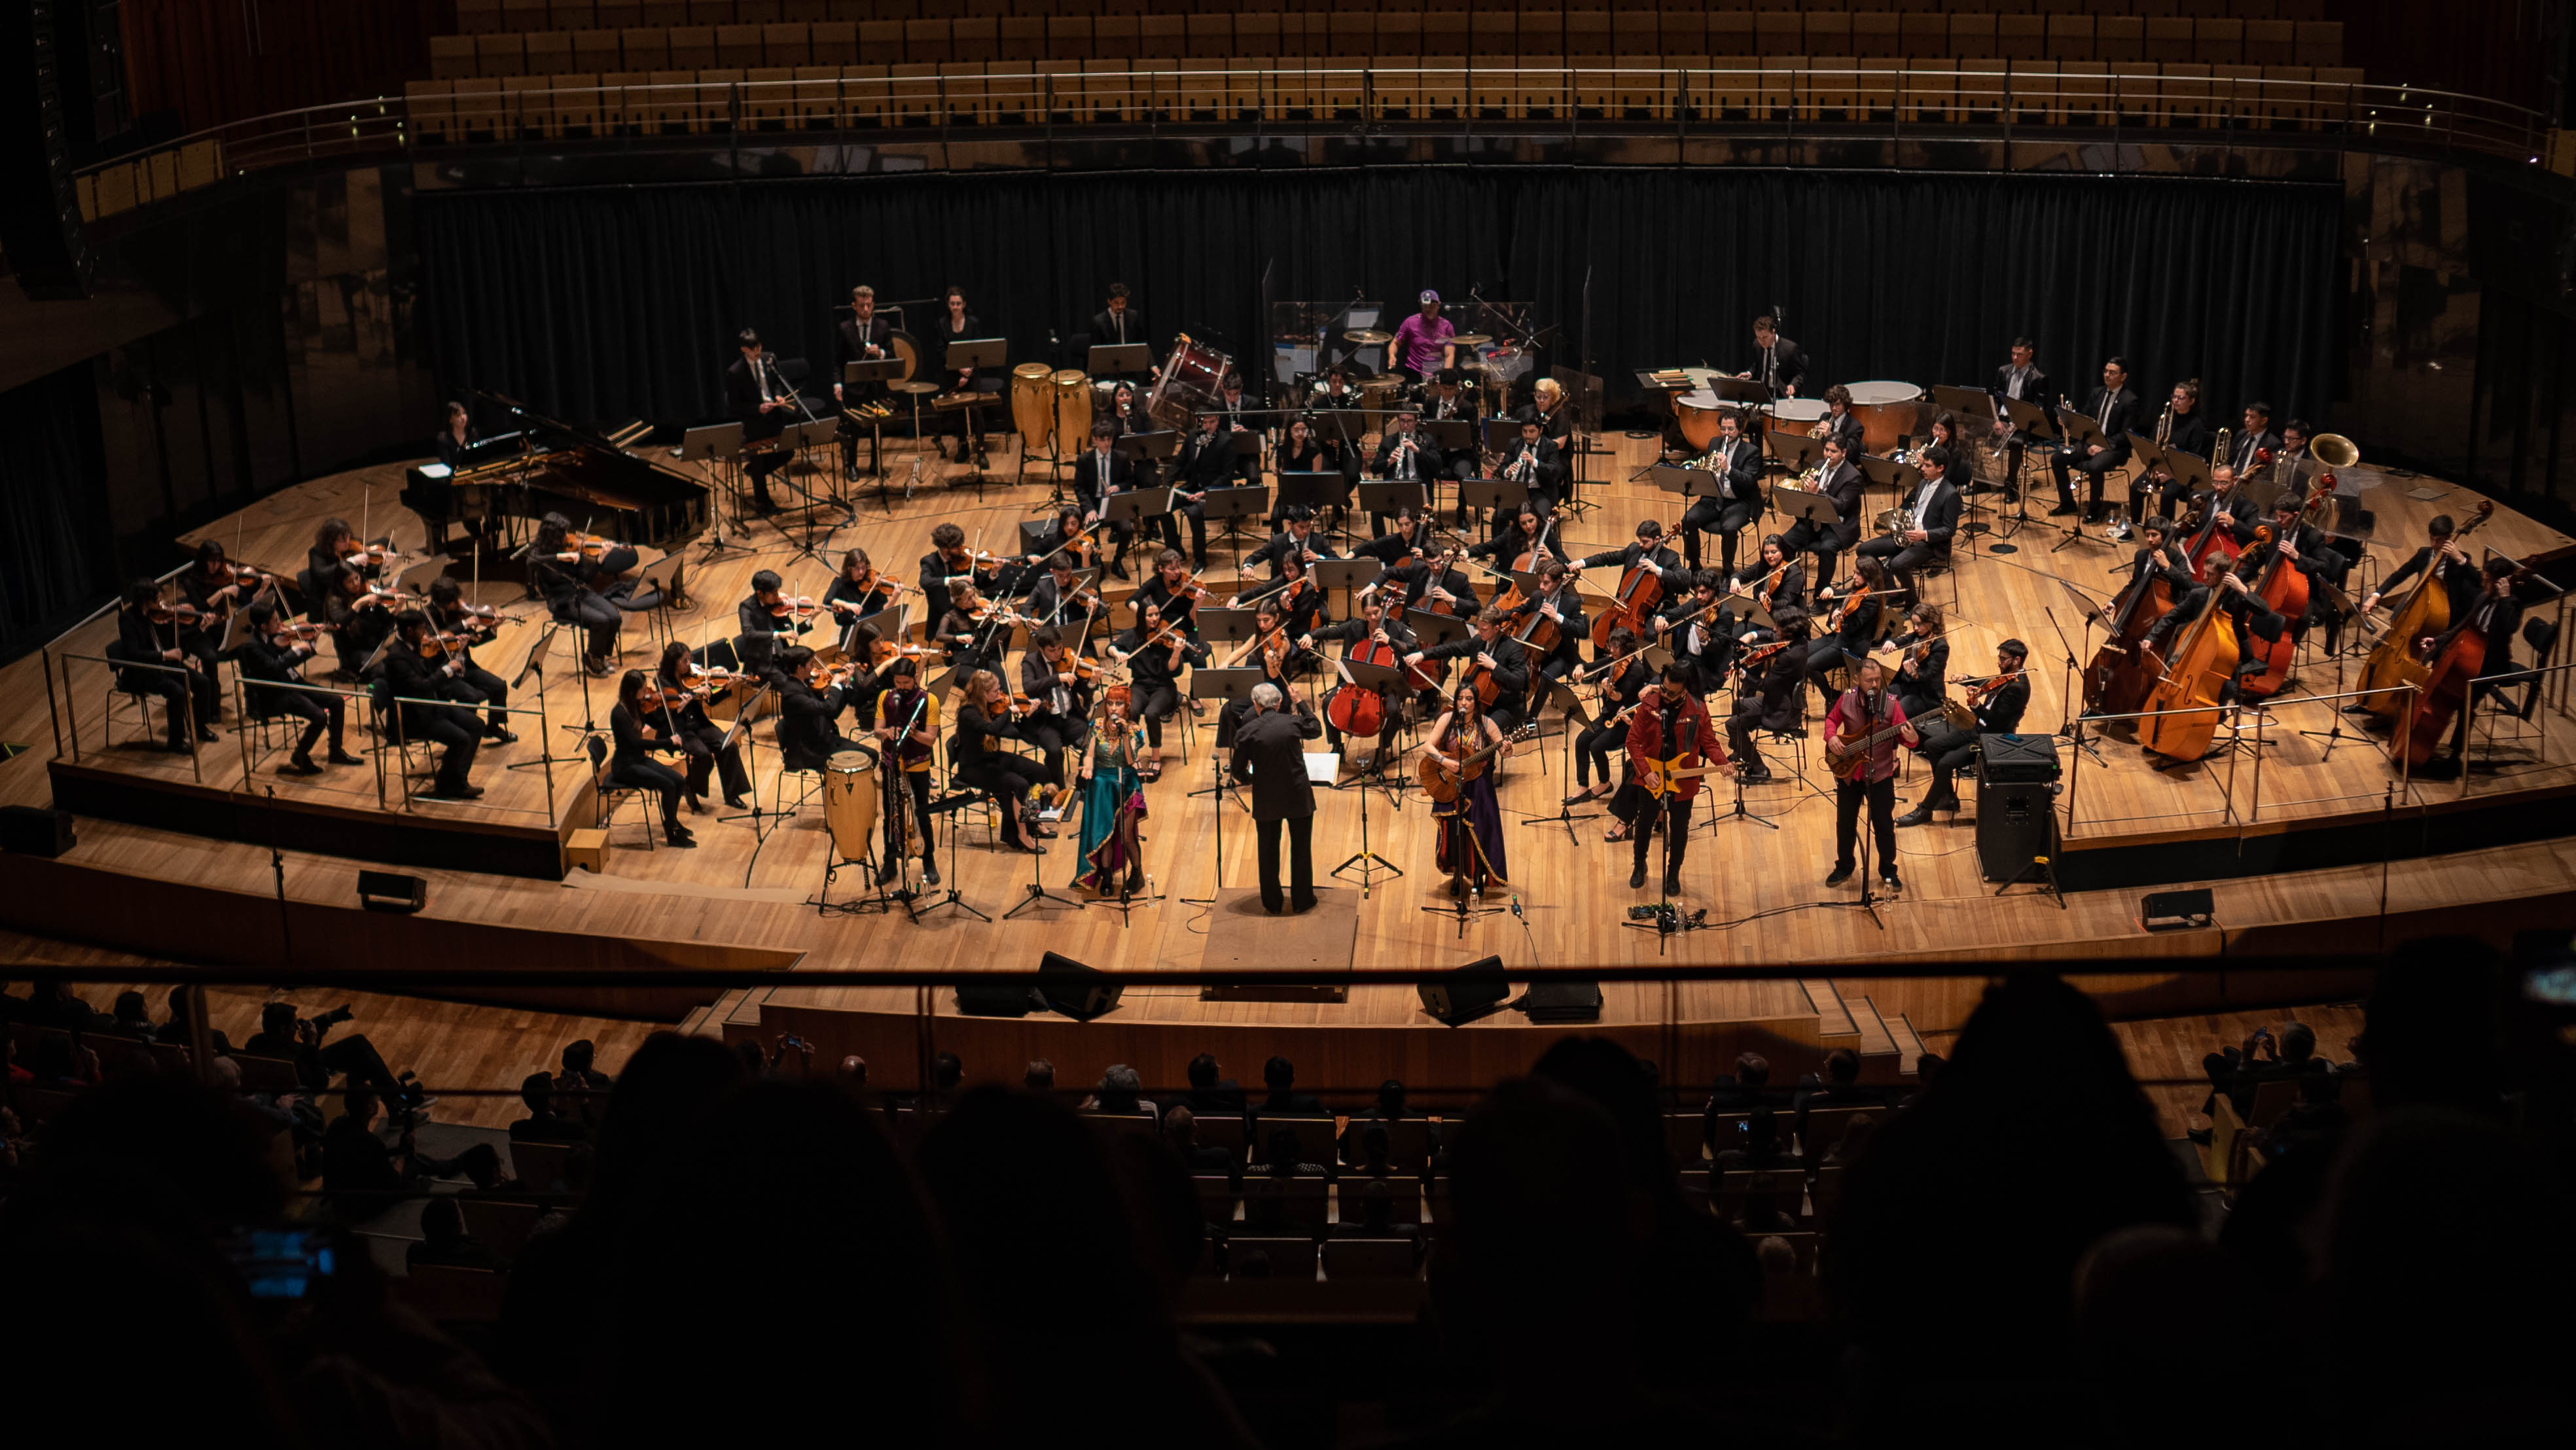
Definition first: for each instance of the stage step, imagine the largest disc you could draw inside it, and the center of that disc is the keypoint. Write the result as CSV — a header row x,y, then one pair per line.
x,y
1833,1019
709,1020
738,1018
1909,1044
1877,1046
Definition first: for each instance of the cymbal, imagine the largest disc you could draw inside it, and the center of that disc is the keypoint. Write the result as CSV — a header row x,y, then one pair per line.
x,y
1368,337
916,387
1471,339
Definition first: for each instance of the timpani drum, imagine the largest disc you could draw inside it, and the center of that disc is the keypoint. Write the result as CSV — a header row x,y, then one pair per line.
x,y
1189,382
1033,405
1794,415
1072,412
1889,413
1698,411
850,802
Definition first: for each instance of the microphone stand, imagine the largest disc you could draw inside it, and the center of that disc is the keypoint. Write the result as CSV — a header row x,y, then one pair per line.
x,y
750,745
2072,727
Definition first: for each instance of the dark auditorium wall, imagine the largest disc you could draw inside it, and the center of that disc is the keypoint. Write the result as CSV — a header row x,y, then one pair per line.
x,y
213,61
598,303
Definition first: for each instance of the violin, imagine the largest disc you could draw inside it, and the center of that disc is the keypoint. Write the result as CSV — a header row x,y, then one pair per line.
x,y
793,607
1978,690
579,545
184,615
367,556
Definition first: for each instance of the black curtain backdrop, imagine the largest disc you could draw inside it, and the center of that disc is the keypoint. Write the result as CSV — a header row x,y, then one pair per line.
x,y
596,304
54,539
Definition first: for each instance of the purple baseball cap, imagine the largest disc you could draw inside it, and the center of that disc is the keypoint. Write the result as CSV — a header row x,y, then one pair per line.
x,y
1430,296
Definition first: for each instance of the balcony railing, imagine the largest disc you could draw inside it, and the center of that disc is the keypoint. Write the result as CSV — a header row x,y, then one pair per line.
x,y
1965,100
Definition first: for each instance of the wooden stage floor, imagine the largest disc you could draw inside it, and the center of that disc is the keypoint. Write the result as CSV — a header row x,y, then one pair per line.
x,y
1761,885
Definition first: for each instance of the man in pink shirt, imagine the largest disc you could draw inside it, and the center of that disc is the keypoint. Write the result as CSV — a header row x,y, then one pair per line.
x,y
1866,713
1422,344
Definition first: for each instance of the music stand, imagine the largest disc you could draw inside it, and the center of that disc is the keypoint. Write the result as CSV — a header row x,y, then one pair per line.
x,y
1431,629
1317,490
1119,359
1748,393
1347,574
799,437
1383,496
1561,693
662,576
1686,483
1234,504
1133,506
1502,434
719,444
2078,432
1797,503
1454,435
976,355
1229,685
1795,453
1495,493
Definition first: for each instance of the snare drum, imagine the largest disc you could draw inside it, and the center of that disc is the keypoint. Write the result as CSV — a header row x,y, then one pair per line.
x,y
1189,382
1072,412
1698,411
1889,413
1032,405
850,803
1794,415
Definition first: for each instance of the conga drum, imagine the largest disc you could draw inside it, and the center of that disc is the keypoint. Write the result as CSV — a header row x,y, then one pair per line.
x,y
1889,413
1378,402
850,803
1072,411
1698,411
1033,405
1794,415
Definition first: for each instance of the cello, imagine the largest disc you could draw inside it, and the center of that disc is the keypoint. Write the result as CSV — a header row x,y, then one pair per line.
x,y
2119,675
1355,709
1641,587
2424,614
2204,661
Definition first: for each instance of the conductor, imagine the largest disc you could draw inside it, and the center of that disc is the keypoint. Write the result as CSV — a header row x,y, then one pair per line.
x,y
1269,751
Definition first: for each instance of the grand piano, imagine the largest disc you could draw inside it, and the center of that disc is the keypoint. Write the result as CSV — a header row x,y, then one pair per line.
x,y
550,466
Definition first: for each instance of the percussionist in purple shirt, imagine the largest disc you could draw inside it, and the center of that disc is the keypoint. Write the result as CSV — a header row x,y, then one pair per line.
x,y
1422,344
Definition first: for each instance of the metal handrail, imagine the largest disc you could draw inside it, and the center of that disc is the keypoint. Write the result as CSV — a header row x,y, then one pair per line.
x,y
2227,804
2012,94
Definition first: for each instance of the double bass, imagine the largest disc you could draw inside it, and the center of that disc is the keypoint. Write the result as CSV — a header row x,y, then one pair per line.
x,y
2283,588
2212,543
1641,588
2204,660
2119,675
2453,671
2424,613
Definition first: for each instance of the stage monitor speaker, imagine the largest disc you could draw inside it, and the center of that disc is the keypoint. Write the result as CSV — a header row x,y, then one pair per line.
x,y
36,831
985,999
392,891
1562,999
2016,825
2005,759
2176,910
1467,993
40,220
1074,990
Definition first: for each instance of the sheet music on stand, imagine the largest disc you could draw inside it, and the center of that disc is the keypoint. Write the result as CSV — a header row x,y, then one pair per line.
x,y
1797,503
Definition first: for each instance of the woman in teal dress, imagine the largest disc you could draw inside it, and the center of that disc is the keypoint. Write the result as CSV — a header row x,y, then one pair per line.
x,y
1113,802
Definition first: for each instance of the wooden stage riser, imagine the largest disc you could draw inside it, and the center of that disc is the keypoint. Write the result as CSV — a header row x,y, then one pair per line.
x,y
183,922
387,837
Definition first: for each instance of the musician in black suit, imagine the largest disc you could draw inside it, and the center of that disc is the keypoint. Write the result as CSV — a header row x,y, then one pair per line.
x,y
1242,414
1300,537
1118,323
2495,614
955,325
2186,431
1839,480
459,432
1206,461
808,736
415,678
1488,646
1269,752
1101,471
2113,409
2459,574
2256,439
1558,599
1736,462
1778,363
1413,535
1403,452
270,661
1772,701
1932,511
2022,381
860,337
760,399
1533,461
1998,712
1841,422
1649,548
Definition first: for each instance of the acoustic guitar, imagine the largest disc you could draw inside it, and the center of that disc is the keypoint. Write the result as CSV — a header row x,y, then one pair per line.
x,y
1443,786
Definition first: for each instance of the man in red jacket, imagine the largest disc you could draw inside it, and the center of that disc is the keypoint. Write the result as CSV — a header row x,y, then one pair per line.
x,y
1670,729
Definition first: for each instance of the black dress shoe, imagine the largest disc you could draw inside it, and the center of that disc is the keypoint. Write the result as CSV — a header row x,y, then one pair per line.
x,y
929,872
1637,877
679,840
500,736
300,765
1888,882
2061,511
342,757
1841,875
1918,816
1118,571
1673,884
1296,906
207,733
736,803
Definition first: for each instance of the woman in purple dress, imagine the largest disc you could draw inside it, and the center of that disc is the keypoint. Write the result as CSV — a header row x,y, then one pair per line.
x,y
1470,847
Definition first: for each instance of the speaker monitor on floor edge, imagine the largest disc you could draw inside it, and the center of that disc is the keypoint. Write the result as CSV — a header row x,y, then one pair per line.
x,y
392,891
1466,994
1074,990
